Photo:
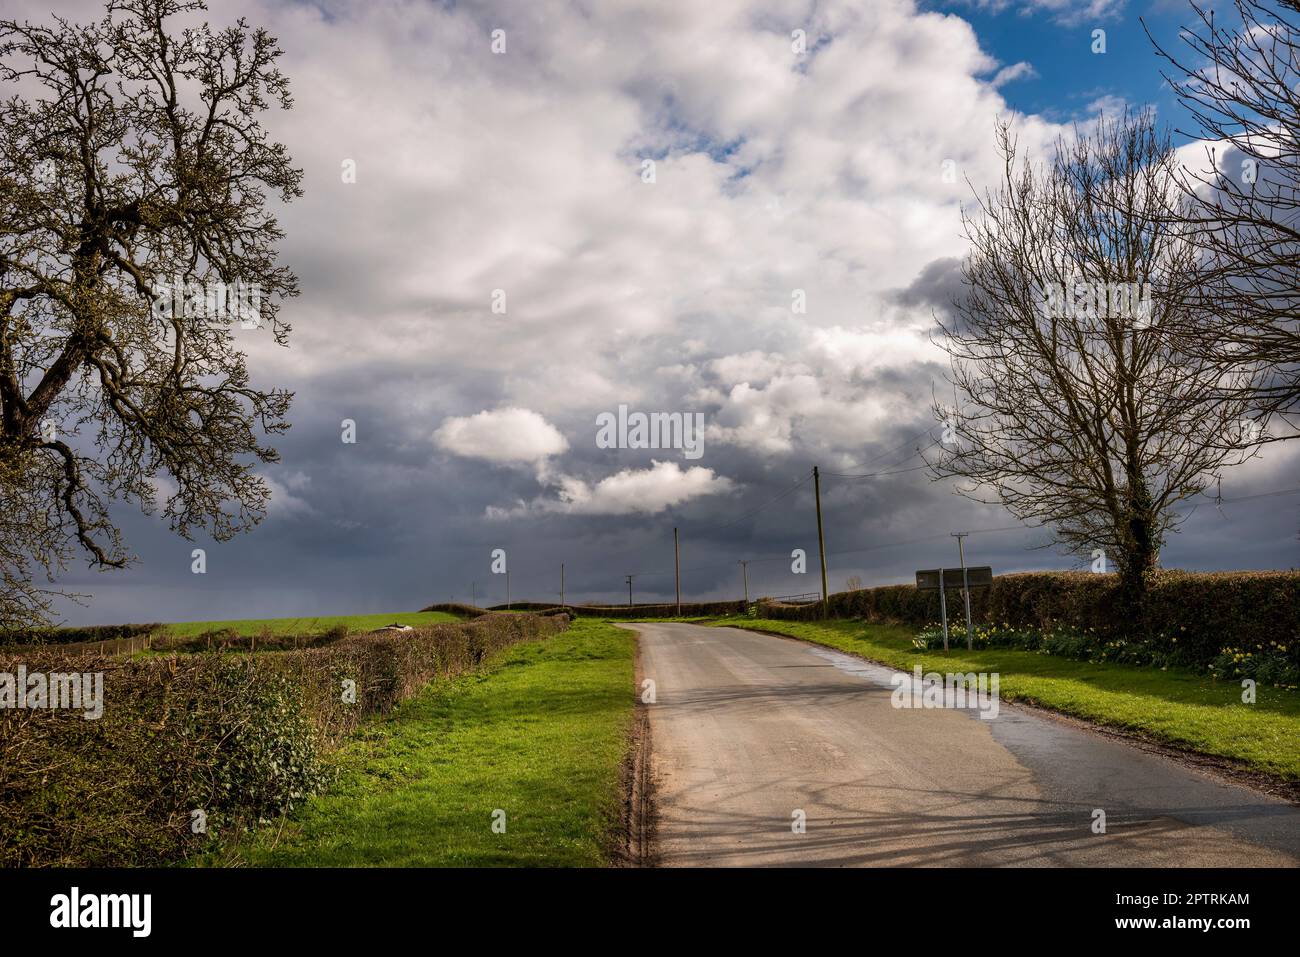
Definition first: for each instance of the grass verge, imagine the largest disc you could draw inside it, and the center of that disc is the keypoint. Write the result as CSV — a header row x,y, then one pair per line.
x,y
540,734
1175,707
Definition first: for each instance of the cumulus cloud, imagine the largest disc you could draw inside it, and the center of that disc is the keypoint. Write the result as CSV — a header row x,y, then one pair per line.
x,y
631,491
501,435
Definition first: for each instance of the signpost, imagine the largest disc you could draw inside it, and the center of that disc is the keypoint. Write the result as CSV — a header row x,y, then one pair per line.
x,y
941,579
965,583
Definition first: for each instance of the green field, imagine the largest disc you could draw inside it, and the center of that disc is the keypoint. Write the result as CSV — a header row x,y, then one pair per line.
x,y
541,735
1177,707
309,626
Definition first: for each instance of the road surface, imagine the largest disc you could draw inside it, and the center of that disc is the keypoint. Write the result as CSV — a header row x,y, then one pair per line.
x,y
749,730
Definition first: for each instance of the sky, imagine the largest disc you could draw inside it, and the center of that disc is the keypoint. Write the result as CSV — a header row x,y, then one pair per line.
x,y
517,179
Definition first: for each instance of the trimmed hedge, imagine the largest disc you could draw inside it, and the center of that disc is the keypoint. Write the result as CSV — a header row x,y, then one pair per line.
x,y
239,737
1205,612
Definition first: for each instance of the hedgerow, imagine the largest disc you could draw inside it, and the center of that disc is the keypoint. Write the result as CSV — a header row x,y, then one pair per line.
x,y
1236,623
69,636
237,737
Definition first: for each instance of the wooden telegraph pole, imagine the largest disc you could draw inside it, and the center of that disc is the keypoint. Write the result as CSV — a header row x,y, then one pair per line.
x,y
677,567
744,573
821,538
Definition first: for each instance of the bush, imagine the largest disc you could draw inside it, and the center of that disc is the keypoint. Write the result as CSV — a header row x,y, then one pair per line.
x,y
240,737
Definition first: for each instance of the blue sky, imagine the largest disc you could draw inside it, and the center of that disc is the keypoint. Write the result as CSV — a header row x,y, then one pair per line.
x,y
1070,77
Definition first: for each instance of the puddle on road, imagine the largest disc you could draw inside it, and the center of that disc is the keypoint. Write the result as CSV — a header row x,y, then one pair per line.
x,y
883,676
876,674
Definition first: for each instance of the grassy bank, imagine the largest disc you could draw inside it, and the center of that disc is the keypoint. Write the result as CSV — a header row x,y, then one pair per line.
x,y
1177,707
539,735
309,626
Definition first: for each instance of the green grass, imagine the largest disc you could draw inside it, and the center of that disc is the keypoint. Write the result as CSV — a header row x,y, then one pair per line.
x,y
309,626
541,735
1178,707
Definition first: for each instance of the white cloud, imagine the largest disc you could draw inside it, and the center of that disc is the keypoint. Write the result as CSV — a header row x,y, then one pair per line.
x,y
752,366
650,490
285,502
631,491
1016,71
1065,12
501,435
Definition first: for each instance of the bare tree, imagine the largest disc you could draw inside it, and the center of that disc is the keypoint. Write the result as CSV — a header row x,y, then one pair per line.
x,y
134,177
1080,405
1241,83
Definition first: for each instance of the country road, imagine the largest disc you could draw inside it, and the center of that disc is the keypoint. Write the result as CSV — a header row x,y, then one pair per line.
x,y
748,729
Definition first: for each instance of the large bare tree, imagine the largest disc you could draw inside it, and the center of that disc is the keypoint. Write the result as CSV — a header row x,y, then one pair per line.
x,y
1080,404
1238,75
134,184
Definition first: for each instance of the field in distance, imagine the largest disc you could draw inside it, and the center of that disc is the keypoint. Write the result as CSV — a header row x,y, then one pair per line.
x,y
309,626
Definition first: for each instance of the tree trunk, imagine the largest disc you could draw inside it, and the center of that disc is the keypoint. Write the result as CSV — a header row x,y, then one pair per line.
x,y
1140,555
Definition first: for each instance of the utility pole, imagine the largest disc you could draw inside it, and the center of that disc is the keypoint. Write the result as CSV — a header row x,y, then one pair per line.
x,y
965,583
629,590
561,584
744,571
821,538
677,567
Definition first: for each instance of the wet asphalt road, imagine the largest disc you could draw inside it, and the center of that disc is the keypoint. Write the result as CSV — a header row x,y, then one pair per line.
x,y
749,730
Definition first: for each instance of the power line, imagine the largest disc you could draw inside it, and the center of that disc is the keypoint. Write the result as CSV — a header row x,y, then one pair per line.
x,y
1248,498
750,514
866,475
882,455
